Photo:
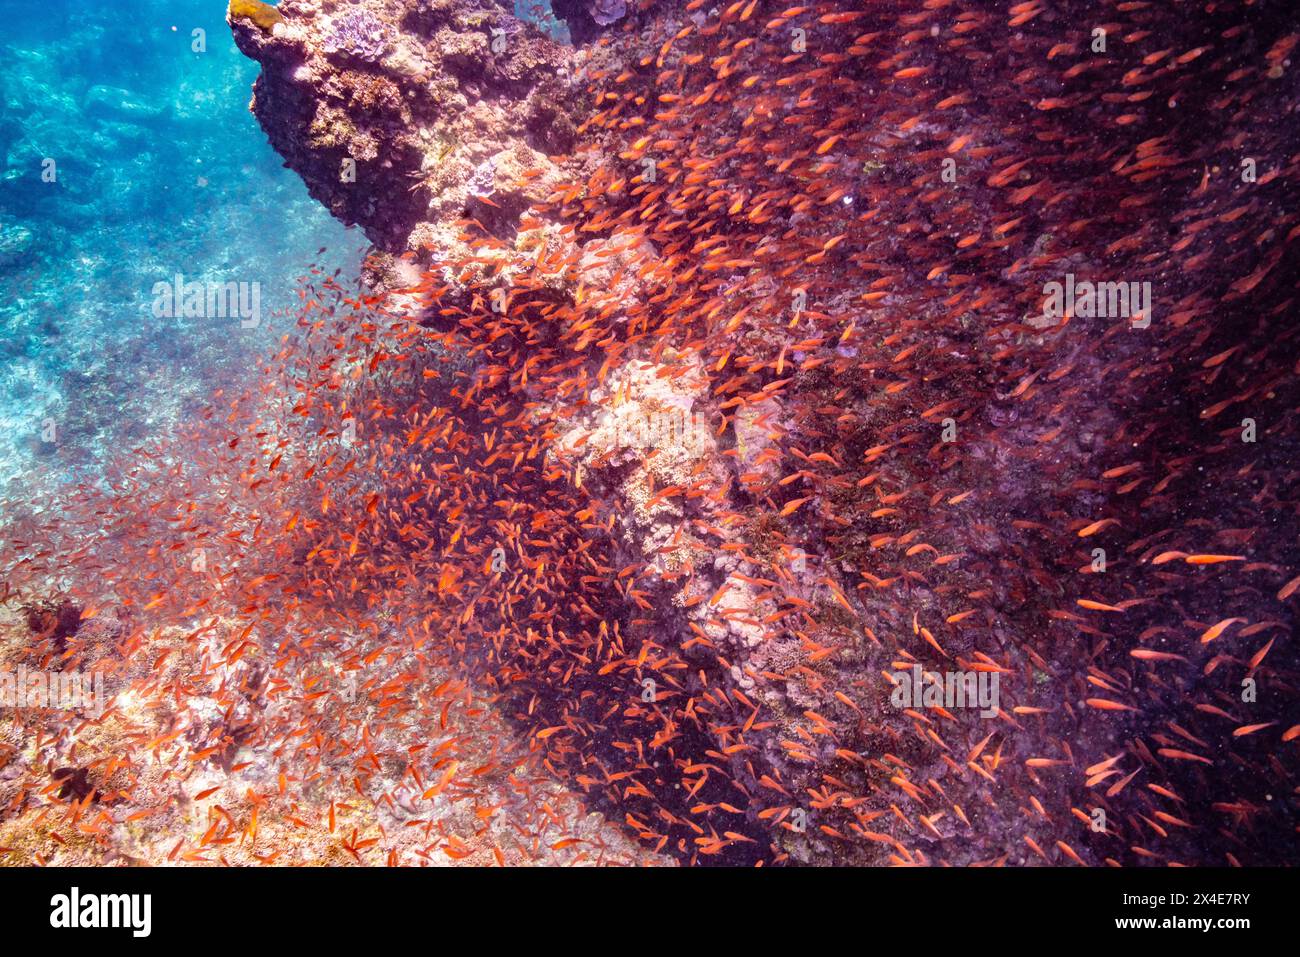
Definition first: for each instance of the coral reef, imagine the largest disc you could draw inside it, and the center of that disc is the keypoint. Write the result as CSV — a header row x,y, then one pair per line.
x,y
638,435
670,429
356,33
835,369
395,139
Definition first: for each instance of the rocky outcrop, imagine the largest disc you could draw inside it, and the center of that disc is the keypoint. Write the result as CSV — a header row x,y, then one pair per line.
x,y
447,110
798,337
404,117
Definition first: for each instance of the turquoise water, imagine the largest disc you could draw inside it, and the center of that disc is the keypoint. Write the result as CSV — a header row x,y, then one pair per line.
x,y
129,157
540,14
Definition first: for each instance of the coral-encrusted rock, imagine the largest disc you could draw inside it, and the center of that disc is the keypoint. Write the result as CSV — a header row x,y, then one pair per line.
x,y
453,109
358,34
394,113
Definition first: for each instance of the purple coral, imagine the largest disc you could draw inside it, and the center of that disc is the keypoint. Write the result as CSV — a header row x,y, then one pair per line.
x,y
606,12
357,34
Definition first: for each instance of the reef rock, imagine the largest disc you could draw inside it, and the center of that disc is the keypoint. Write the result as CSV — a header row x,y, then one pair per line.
x,y
408,118
397,114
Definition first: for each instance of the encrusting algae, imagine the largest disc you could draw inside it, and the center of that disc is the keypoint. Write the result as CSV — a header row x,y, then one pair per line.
x,y
263,14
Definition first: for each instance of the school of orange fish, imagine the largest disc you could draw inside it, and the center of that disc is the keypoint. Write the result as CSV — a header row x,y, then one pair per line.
x,y
386,604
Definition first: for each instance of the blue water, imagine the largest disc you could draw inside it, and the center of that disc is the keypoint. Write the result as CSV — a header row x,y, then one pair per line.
x,y
540,14
158,169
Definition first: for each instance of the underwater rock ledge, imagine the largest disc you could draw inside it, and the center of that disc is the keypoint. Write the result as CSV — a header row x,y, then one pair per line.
x,y
393,113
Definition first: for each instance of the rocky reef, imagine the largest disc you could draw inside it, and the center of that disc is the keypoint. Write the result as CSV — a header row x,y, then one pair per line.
x,y
473,143
402,118
704,397
451,112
